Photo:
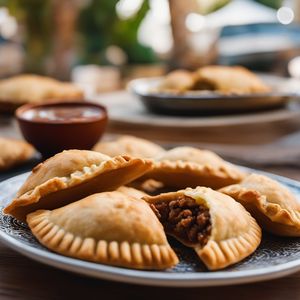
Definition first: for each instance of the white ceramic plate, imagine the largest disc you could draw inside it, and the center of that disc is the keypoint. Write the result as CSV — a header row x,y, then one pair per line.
x,y
275,257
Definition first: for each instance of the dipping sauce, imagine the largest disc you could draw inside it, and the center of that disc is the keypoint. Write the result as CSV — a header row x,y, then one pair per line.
x,y
63,113
52,127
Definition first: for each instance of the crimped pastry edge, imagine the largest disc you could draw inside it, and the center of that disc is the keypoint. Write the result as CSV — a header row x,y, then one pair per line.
x,y
75,178
273,211
123,254
218,255
227,174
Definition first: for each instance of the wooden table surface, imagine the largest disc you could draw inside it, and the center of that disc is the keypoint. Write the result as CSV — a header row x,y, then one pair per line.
x,y
22,278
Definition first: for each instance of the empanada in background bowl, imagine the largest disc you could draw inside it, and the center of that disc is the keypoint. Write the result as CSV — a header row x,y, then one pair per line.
x,y
229,80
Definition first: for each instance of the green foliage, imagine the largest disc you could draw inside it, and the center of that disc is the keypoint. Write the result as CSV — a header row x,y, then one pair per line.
x,y
99,27
271,3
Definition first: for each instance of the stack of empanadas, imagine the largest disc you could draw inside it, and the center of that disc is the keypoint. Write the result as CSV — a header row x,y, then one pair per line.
x,y
77,203
220,79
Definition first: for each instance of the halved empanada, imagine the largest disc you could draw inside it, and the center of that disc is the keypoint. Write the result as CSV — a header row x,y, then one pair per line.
x,y
219,229
14,152
129,145
184,167
269,202
72,175
110,228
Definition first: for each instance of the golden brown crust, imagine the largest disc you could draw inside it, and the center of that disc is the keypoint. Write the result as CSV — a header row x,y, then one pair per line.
x,y
129,145
14,152
177,81
72,175
61,165
237,80
234,235
273,205
110,228
28,88
132,192
184,167
221,79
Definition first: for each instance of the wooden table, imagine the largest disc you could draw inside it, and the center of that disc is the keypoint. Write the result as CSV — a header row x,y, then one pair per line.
x,y
22,278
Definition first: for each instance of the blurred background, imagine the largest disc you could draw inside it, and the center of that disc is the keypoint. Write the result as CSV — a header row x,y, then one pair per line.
x,y
105,43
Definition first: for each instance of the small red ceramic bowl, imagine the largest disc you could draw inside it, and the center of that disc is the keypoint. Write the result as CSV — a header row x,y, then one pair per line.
x,y
56,126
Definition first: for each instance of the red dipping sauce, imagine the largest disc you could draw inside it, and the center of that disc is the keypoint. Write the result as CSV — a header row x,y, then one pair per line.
x,y
54,127
63,113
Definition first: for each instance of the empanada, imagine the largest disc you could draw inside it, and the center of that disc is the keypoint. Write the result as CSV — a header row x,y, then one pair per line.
x,y
132,192
274,207
225,79
151,187
177,81
28,88
129,145
72,175
110,228
14,152
219,229
184,167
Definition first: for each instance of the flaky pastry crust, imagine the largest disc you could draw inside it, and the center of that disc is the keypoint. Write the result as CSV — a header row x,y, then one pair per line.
x,y
14,152
184,167
229,80
275,208
28,88
110,228
72,175
177,81
129,145
132,192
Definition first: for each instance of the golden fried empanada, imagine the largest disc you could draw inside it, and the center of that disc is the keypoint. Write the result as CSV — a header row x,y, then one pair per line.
x,y
21,89
132,192
184,167
219,229
14,152
272,204
110,228
129,145
72,175
225,79
177,81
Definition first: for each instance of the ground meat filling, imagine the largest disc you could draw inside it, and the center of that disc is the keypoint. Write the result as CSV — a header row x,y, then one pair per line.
x,y
185,219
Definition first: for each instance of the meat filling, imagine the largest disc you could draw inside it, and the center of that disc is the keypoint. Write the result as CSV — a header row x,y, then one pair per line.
x,y
185,219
